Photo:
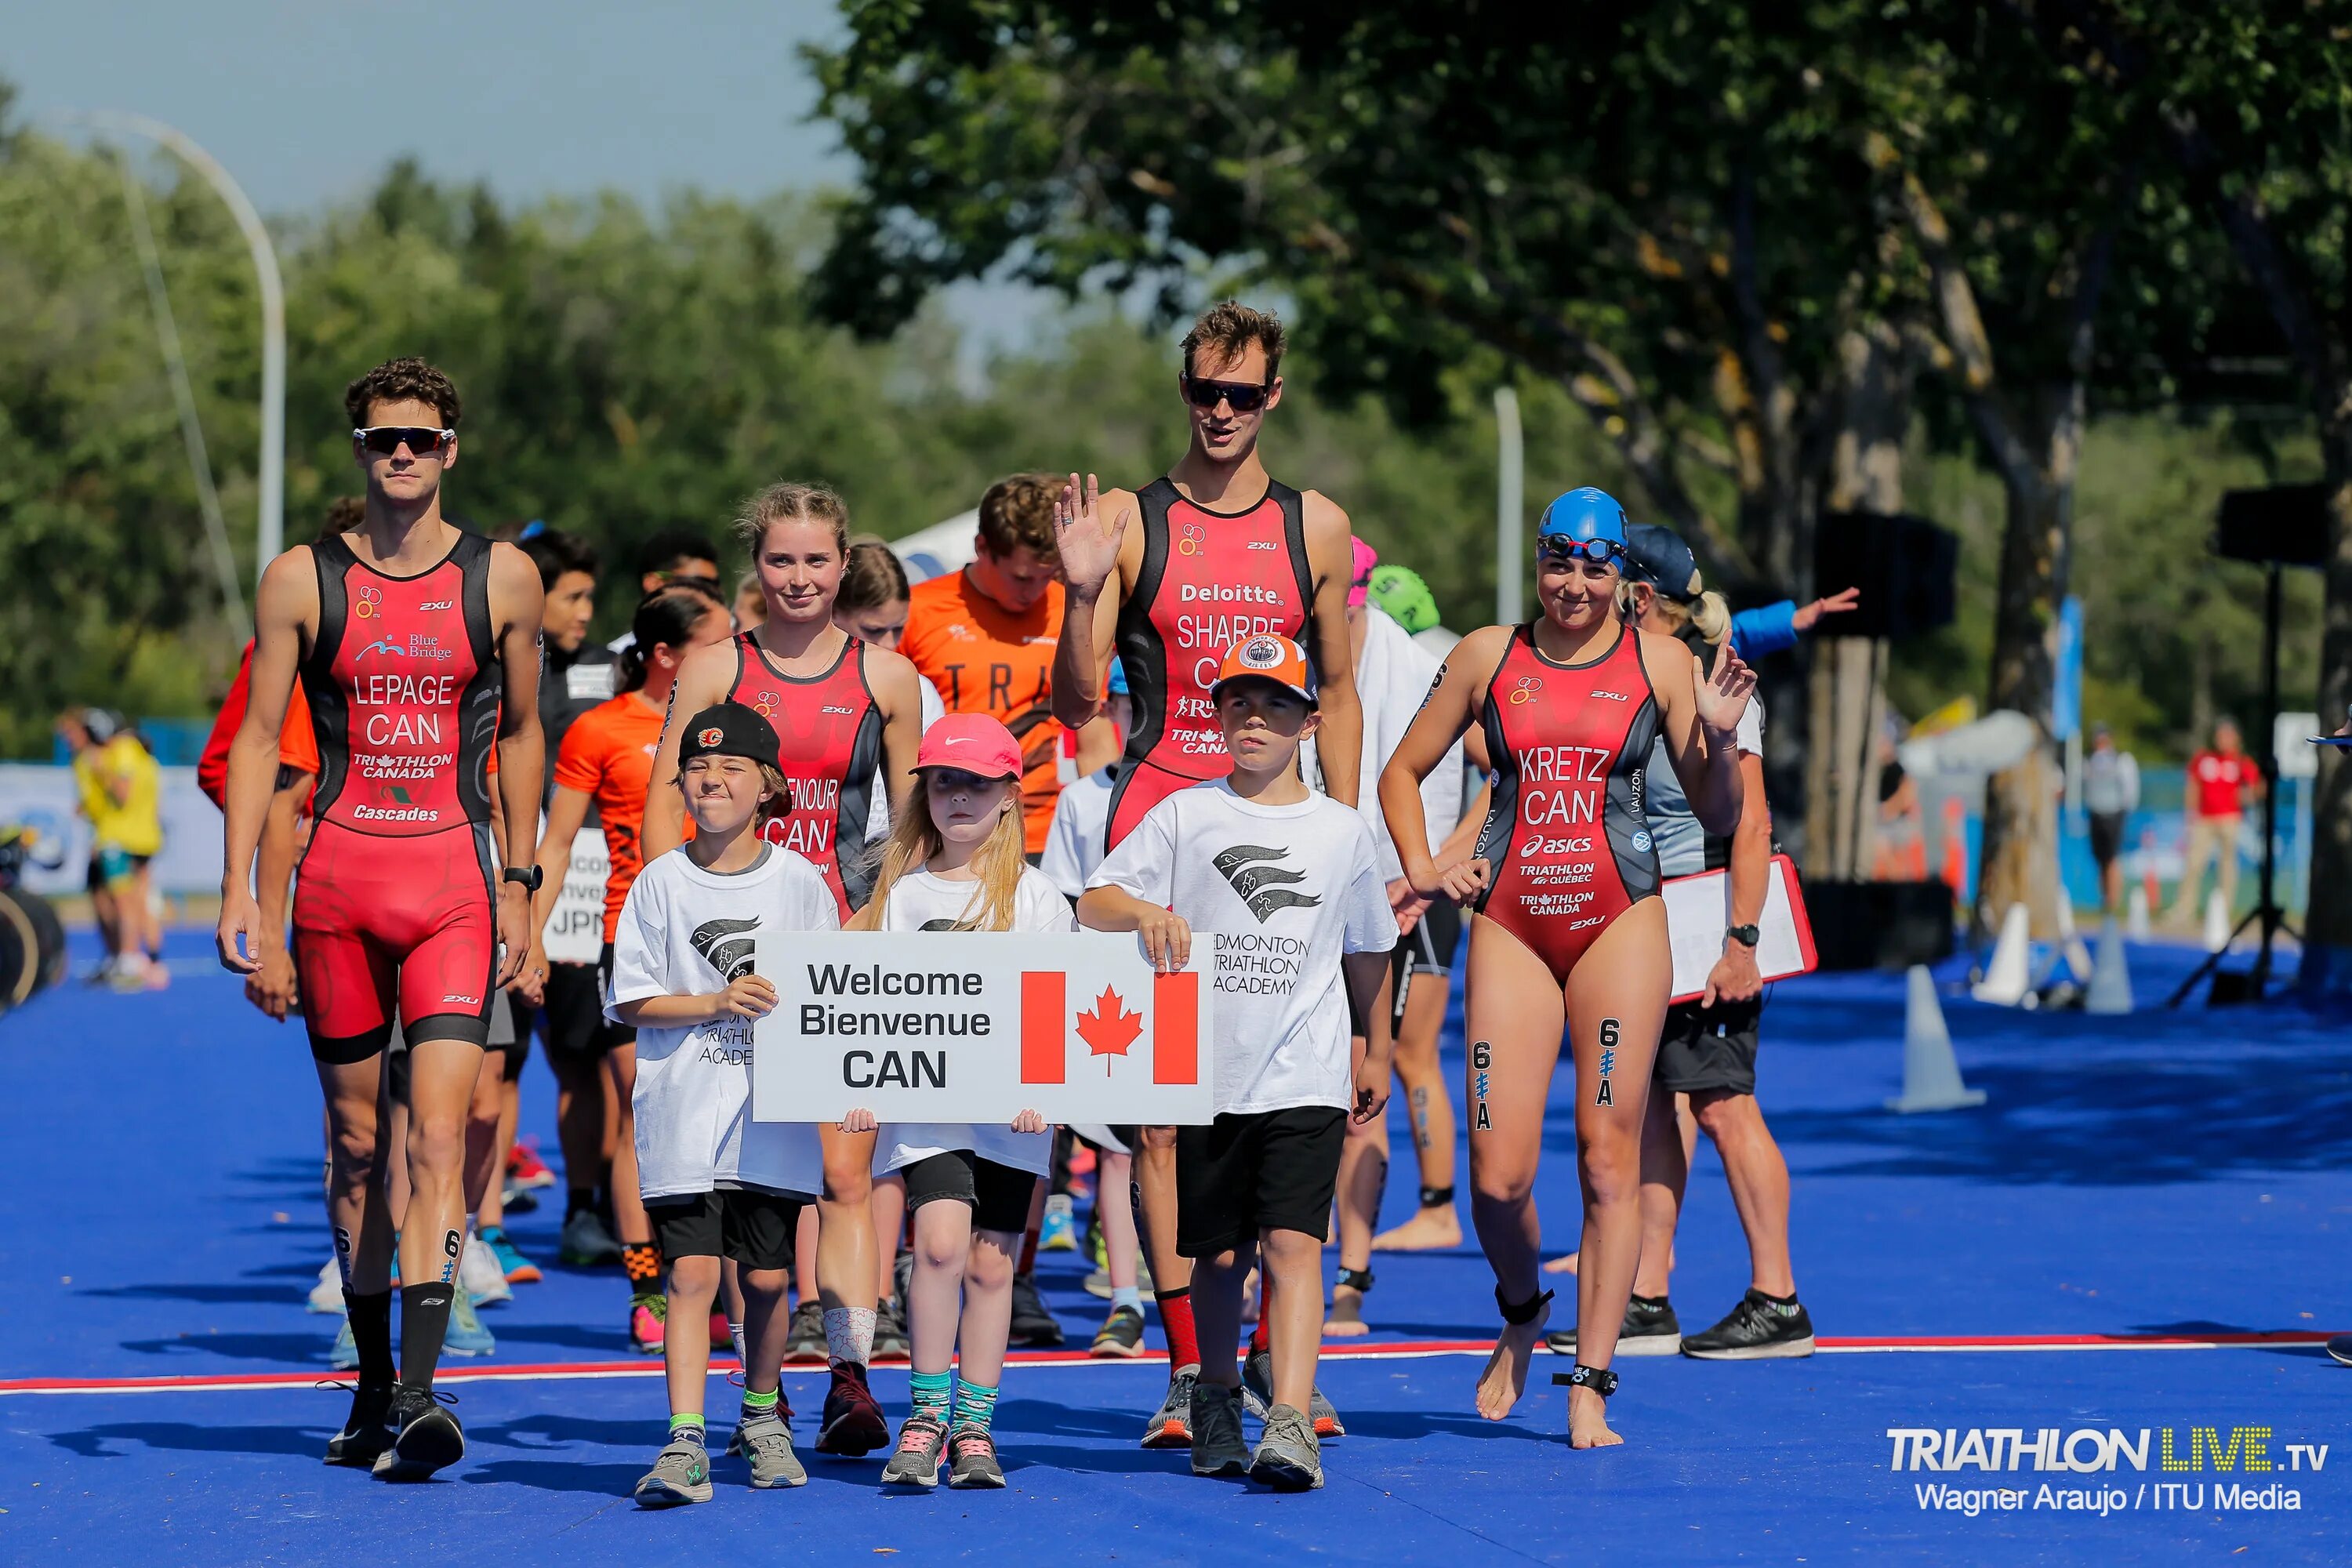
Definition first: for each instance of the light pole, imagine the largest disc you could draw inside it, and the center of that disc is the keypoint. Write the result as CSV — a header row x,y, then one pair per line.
x,y
1510,567
269,530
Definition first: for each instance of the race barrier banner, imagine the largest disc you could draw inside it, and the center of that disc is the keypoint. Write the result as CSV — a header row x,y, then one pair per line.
x,y
979,1026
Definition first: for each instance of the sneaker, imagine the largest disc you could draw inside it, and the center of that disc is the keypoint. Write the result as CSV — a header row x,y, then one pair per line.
x,y
1172,1427
735,1439
327,1295
585,1243
890,1340
367,1430
853,1425
525,1169
902,1274
1097,1284
1650,1328
518,1269
345,1356
2339,1349
804,1342
1033,1326
465,1335
1121,1335
922,1440
478,1272
648,1323
518,1200
1215,1419
768,1443
1288,1458
1257,1396
1058,1231
1758,1329
429,1437
681,1474
974,1453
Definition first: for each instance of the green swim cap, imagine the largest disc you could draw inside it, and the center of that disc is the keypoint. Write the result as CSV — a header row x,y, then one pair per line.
x,y
1399,591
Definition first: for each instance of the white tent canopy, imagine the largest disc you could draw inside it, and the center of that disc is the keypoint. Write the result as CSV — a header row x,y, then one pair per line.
x,y
943,548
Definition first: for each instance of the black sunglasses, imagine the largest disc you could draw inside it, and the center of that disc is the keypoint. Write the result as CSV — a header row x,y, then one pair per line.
x,y
422,440
1245,396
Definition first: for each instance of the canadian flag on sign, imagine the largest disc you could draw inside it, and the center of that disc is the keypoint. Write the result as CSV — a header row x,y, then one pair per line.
x,y
1108,1027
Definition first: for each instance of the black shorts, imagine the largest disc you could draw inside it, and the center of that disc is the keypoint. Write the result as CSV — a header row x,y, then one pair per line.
x,y
98,881
754,1228
997,1194
572,1023
1270,1170
510,1033
1709,1047
2106,837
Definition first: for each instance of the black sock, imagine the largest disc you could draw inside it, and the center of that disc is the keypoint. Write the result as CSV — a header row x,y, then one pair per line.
x,y
424,1322
372,1331
578,1198
1788,1301
1648,1301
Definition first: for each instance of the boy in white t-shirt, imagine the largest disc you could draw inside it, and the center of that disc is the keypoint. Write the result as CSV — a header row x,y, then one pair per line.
x,y
1285,885
717,1183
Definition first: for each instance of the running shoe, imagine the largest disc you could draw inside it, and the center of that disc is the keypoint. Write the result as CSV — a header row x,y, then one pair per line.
x,y
345,1356
478,1272
974,1452
1171,1427
367,1430
1215,1418
518,1200
1758,1329
890,1340
767,1442
1257,1395
735,1438
648,1323
519,1270
1058,1231
525,1169
429,1438
722,1334
585,1243
681,1474
1033,1326
1288,1457
1650,1328
922,1440
1098,1282
327,1295
1121,1335
466,1336
853,1425
804,1340
2339,1349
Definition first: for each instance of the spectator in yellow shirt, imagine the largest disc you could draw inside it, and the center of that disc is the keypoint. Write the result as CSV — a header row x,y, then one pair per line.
x,y
121,789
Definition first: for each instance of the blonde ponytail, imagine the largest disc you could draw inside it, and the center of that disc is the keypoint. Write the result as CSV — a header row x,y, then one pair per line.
x,y
1711,616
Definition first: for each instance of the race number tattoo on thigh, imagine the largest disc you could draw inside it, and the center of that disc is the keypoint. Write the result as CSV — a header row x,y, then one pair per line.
x,y
1482,1060
1605,1095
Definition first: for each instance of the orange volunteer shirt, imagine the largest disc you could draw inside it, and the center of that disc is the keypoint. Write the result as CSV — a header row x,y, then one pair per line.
x,y
985,659
608,756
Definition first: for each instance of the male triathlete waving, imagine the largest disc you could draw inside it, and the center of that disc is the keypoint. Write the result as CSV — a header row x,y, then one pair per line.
x,y
417,646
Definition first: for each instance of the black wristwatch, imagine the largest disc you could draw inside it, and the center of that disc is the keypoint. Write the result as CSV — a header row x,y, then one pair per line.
x,y
1746,936
530,877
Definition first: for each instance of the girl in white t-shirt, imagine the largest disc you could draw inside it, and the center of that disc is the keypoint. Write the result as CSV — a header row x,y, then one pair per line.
x,y
955,863
717,1185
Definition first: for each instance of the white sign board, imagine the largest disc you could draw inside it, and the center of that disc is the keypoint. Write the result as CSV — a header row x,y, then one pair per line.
x,y
1698,908
575,927
2290,745
978,1027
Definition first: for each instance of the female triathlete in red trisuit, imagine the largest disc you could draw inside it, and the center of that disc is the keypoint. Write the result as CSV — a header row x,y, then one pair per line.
x,y
1568,927
840,708
1222,553
417,646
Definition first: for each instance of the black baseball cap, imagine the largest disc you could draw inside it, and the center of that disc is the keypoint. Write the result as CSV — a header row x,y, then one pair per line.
x,y
1658,556
728,730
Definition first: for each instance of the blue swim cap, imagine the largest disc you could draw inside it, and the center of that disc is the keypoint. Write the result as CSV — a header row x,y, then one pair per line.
x,y
1117,683
1583,515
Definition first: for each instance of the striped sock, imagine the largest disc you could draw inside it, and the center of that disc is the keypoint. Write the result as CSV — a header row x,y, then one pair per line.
x,y
975,1404
689,1427
758,1406
928,1392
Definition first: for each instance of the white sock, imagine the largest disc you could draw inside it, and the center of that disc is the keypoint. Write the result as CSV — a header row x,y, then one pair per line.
x,y
849,1334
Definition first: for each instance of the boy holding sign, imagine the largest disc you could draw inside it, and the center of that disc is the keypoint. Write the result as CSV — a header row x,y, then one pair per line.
x,y
1285,885
715,1183
954,862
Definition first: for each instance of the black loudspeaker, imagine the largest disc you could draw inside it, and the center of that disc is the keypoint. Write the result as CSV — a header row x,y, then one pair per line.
x,y
1904,565
1879,925
2286,523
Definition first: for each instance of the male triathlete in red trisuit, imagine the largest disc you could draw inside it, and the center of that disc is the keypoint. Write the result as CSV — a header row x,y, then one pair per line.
x,y
1224,553
417,645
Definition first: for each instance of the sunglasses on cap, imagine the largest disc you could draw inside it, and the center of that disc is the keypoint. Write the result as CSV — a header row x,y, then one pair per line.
x,y
1245,396
422,440
1562,548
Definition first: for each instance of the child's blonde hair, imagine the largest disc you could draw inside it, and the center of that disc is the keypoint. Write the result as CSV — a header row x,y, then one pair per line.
x,y
915,839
